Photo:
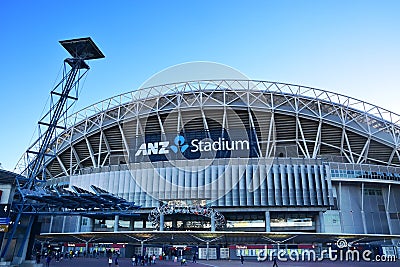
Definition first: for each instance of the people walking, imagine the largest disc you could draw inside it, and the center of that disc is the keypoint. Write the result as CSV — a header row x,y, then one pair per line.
x,y
241,259
275,261
183,261
194,258
38,256
109,261
48,259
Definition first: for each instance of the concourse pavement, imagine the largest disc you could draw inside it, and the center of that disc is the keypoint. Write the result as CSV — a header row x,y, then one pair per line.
x,y
125,262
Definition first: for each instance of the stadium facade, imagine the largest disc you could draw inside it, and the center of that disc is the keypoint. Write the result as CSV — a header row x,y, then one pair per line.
x,y
235,156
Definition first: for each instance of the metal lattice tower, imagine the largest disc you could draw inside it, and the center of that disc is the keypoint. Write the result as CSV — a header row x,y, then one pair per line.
x,y
63,96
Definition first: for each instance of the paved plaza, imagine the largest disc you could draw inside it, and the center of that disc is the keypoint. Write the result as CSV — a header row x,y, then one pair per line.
x,y
124,262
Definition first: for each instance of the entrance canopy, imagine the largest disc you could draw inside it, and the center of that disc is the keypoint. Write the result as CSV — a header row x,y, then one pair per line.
x,y
199,238
60,201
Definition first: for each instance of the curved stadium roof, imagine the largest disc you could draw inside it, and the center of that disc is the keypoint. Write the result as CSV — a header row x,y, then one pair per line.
x,y
299,121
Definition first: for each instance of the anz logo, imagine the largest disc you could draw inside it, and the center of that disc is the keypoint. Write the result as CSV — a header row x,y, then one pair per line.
x,y
179,143
160,148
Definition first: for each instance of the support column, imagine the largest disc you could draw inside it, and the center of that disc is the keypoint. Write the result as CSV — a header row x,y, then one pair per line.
x,y
340,208
10,236
116,222
362,209
267,221
161,222
24,242
389,221
142,248
51,223
91,221
208,248
321,222
212,223
79,223
63,224
132,225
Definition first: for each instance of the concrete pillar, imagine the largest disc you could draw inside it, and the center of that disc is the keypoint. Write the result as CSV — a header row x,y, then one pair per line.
x,y
364,222
132,224
63,224
267,221
24,246
51,223
161,222
213,223
362,209
91,221
116,222
22,241
208,248
340,208
79,223
387,205
321,222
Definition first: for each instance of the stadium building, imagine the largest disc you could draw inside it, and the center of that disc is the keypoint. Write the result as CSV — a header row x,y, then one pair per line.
x,y
230,164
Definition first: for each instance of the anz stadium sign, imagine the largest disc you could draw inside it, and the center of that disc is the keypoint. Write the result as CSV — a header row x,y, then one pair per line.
x,y
196,145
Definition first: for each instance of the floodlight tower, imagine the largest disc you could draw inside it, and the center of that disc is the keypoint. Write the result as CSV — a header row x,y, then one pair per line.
x,y
66,91
63,96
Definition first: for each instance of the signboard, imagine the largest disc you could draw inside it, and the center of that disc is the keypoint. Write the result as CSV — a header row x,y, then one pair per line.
x,y
192,145
5,220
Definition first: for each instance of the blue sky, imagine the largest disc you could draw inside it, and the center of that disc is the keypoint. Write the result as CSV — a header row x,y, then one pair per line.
x,y
350,47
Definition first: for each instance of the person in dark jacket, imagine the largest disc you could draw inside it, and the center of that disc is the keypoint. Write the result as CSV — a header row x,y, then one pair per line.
x,y
48,259
275,261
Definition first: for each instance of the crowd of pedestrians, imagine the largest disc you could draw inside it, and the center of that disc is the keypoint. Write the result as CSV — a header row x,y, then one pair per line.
x,y
57,256
49,256
143,260
112,257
